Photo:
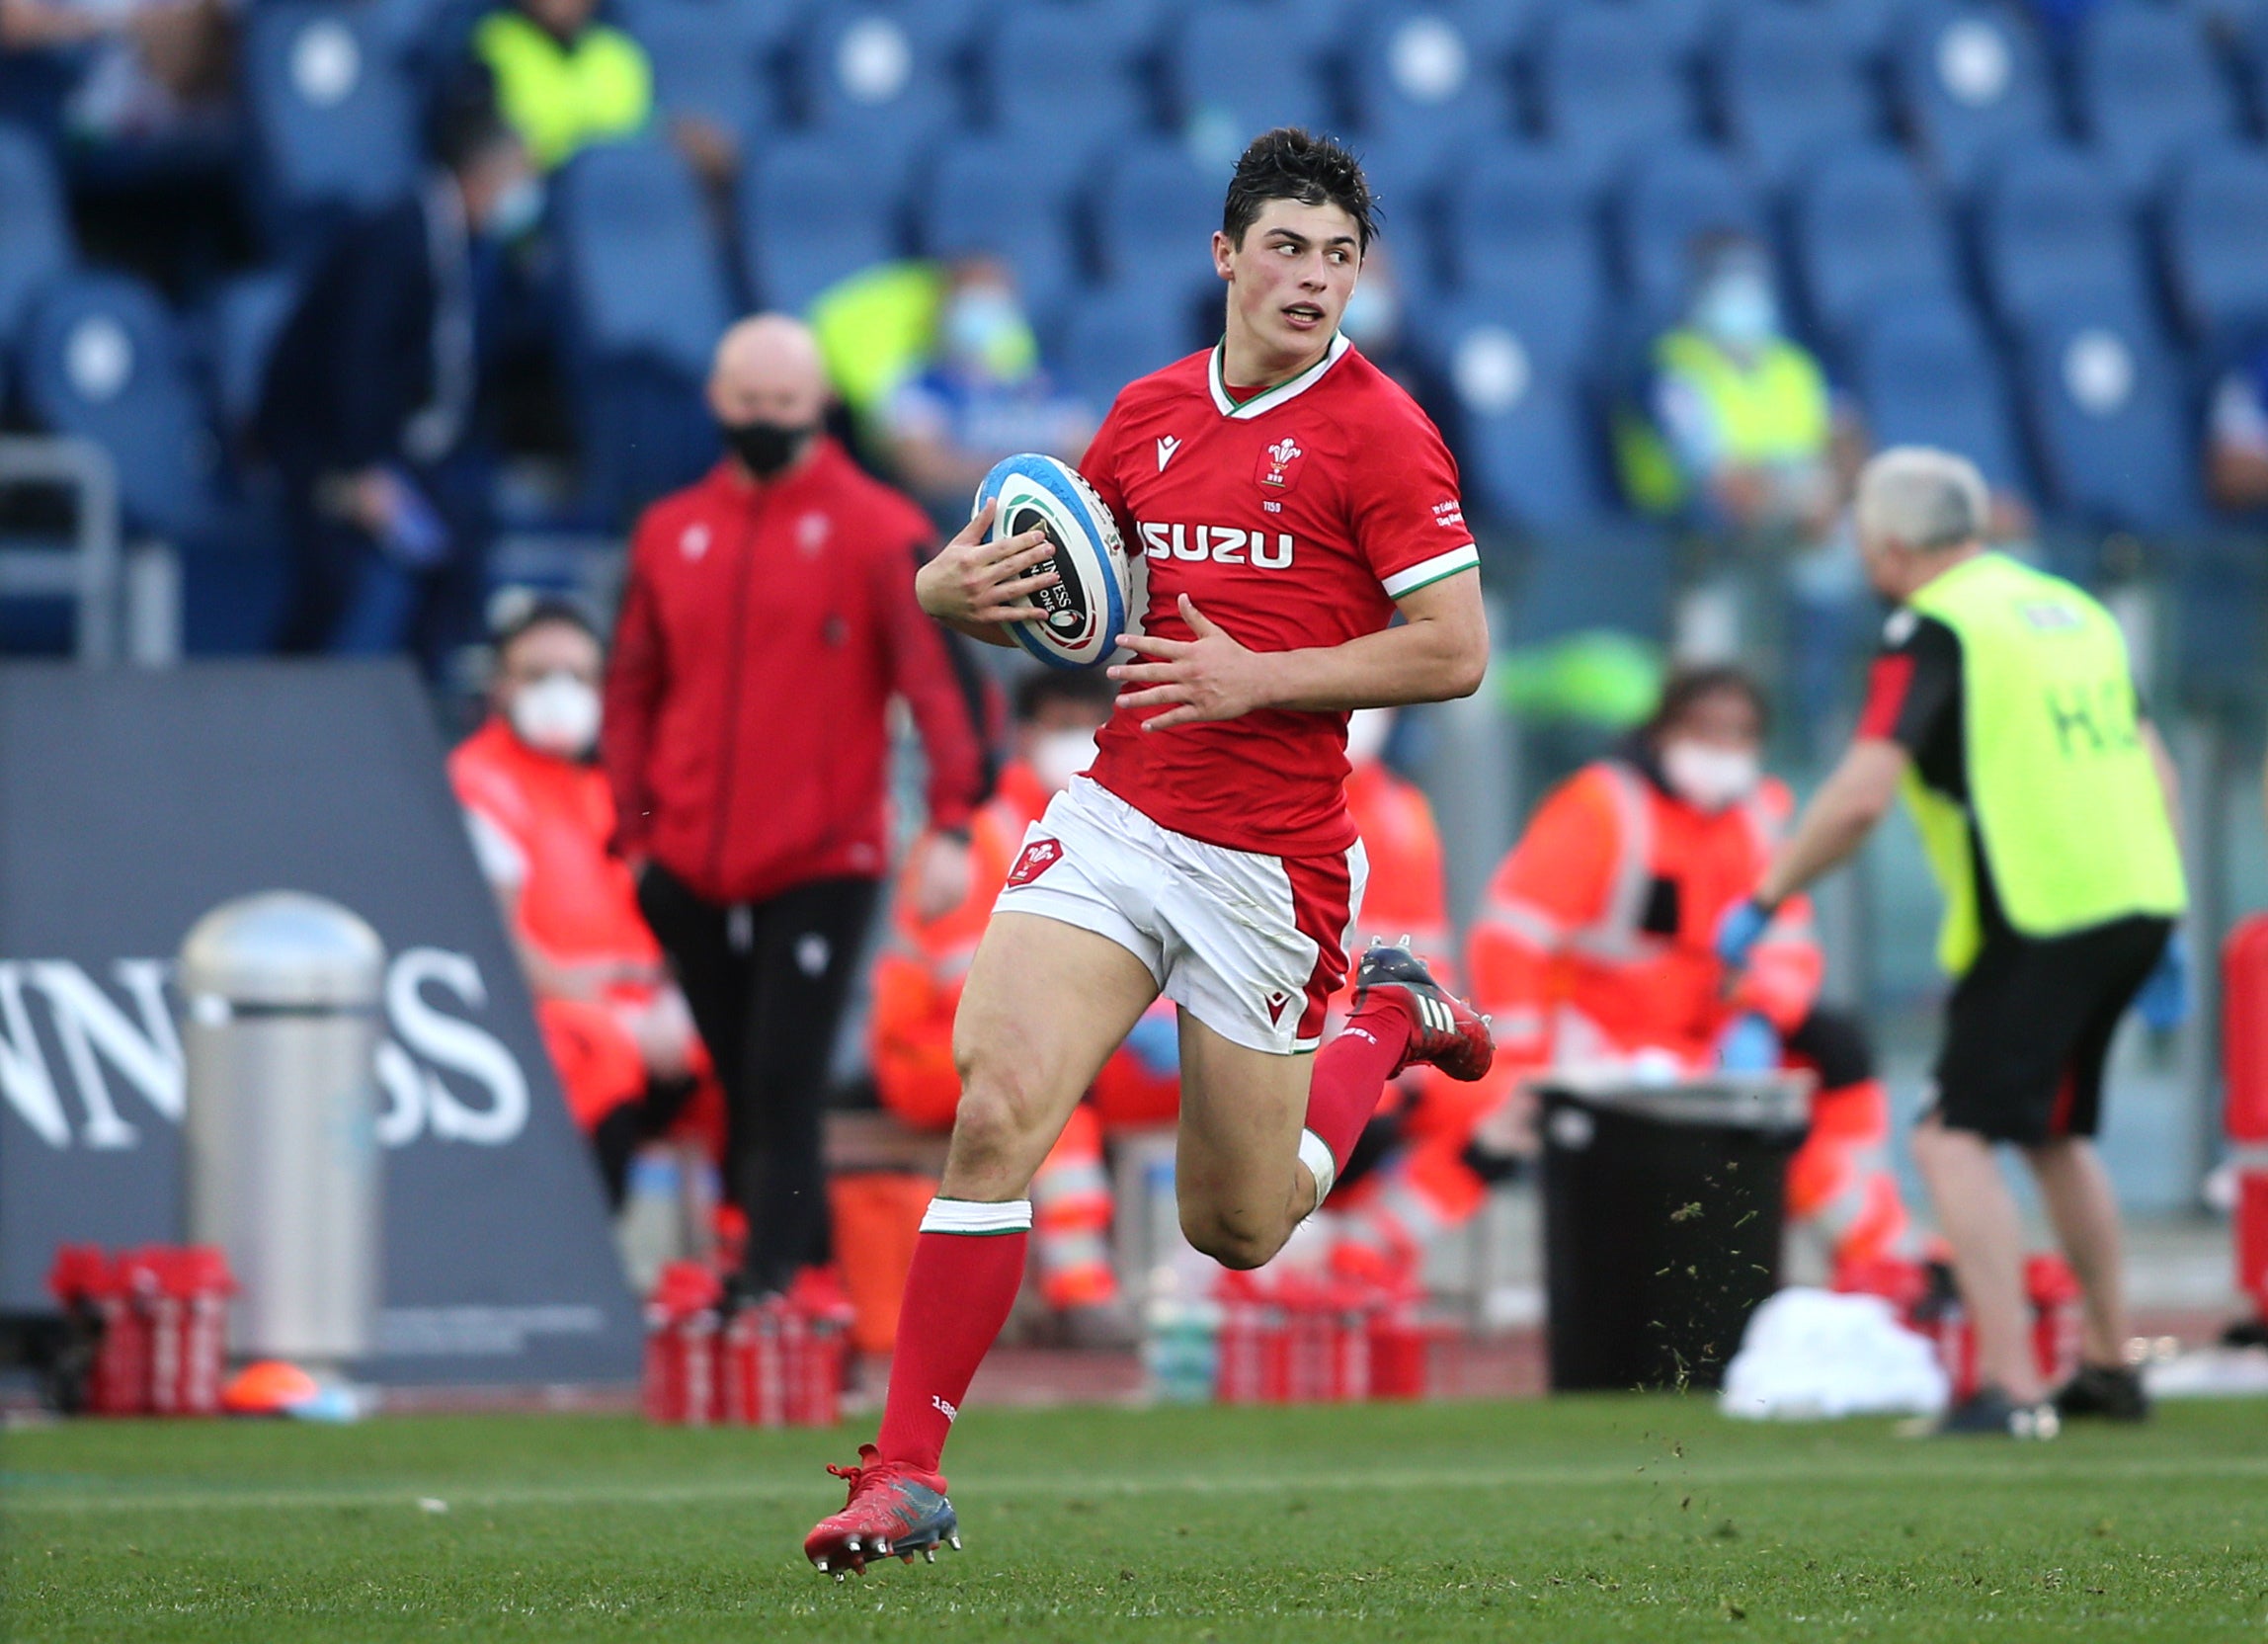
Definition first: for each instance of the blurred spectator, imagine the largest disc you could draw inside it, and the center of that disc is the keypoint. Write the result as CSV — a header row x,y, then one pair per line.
x,y
1741,409
918,988
1596,947
122,70
983,395
541,817
2236,436
374,395
768,621
1377,315
563,79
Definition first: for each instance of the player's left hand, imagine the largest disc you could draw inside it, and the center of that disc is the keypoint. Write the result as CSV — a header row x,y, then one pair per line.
x,y
1210,677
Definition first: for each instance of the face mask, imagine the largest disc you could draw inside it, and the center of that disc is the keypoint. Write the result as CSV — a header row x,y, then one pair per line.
x,y
558,714
764,449
1367,729
1739,310
1708,776
985,328
516,211
1059,756
1372,315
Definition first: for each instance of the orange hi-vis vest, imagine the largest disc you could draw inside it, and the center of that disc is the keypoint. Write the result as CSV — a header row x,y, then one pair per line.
x,y
1407,895
1595,940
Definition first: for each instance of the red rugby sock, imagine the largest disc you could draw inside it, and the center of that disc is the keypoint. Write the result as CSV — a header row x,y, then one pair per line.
x,y
968,1265
1350,1072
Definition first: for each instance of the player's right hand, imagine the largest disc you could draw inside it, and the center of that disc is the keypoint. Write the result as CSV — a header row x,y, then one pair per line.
x,y
976,582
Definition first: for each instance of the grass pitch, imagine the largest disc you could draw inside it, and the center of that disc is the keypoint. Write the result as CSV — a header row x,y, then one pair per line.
x,y
1573,1520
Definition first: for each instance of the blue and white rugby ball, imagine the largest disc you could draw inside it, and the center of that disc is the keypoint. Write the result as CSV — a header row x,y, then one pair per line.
x,y
1095,602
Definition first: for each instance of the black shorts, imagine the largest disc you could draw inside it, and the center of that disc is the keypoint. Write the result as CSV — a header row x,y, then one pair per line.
x,y
2029,1027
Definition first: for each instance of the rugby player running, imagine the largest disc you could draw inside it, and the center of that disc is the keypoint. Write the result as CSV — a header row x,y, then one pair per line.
x,y
1289,500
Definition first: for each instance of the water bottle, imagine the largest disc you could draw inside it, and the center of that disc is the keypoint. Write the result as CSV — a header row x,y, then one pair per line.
x,y
1180,1341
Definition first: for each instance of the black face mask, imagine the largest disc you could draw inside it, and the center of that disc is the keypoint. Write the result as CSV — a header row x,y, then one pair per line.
x,y
766,448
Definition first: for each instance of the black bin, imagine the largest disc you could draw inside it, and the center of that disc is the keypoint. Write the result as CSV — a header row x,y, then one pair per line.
x,y
1662,1213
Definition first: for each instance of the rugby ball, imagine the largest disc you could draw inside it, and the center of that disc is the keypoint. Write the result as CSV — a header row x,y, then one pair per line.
x,y
1097,599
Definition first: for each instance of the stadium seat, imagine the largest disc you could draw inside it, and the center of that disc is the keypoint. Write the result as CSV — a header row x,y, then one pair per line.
x,y
2107,422
1611,84
2050,225
1866,230
1421,83
1971,80
878,73
333,119
249,314
1789,83
1525,440
1010,199
1520,222
2216,224
2147,88
714,58
1675,197
1154,216
1867,26
35,234
1054,66
1925,373
1115,333
809,214
1238,67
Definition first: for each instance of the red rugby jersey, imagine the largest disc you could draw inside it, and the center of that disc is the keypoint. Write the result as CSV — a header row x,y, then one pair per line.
x,y
1295,519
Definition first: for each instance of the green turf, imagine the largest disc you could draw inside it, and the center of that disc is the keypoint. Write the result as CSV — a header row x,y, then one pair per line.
x,y
1630,1519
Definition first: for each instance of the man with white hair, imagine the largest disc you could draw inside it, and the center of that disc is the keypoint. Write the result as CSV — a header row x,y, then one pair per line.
x,y
2004,705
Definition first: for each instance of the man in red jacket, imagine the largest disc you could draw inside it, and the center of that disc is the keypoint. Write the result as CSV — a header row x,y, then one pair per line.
x,y
768,621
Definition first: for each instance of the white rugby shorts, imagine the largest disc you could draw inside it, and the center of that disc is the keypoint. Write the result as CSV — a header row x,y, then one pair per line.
x,y
1251,946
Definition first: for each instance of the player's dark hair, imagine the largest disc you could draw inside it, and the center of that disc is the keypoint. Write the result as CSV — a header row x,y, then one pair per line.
x,y
1689,685
1086,688
1289,163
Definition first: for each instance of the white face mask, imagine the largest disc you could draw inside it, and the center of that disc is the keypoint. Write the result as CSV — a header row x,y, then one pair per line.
x,y
1367,729
557,714
1708,776
1059,756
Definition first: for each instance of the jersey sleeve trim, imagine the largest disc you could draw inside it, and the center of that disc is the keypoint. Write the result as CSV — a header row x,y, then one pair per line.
x,y
1429,571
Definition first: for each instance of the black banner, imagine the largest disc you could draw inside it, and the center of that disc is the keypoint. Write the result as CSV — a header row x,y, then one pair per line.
x,y
133,803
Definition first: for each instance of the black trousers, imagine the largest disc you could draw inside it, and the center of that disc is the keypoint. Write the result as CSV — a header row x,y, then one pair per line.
x,y
766,982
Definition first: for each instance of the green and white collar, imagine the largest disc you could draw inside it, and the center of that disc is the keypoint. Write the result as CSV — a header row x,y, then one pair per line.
x,y
1290,388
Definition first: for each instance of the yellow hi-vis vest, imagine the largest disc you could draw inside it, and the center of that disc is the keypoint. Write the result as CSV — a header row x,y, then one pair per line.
x,y
2063,796
1772,410
559,97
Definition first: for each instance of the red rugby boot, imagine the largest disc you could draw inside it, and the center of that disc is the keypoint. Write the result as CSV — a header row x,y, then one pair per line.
x,y
1450,1034
894,1512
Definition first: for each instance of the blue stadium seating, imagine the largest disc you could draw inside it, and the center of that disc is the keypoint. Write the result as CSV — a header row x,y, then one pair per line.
x,y
1497,30
1611,84
1421,84
2149,88
878,72
1518,218
1525,448
249,314
1115,333
1011,199
714,58
2106,421
1926,375
2215,227
1972,81
1867,26
1675,197
1054,71
809,214
1153,216
333,123
2052,225
1789,84
35,236
1865,230
1241,66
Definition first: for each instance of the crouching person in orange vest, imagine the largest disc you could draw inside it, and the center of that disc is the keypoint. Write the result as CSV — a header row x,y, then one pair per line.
x,y
1595,943
540,814
917,987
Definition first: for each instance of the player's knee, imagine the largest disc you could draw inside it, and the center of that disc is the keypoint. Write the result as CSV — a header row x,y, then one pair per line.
x,y
1000,1108
1238,1242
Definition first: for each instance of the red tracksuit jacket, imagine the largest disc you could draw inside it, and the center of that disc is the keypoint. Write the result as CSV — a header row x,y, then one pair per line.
x,y
763,633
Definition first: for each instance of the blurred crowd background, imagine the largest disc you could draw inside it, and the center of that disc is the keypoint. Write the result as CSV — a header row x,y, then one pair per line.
x,y
350,313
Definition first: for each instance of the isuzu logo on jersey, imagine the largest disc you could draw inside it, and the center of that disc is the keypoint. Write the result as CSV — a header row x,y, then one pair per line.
x,y
1279,464
1222,544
